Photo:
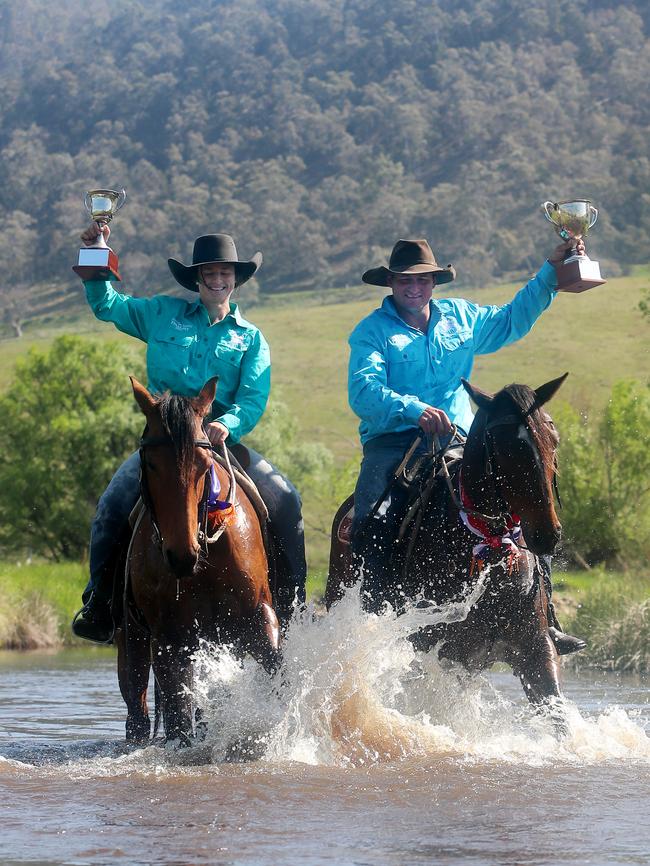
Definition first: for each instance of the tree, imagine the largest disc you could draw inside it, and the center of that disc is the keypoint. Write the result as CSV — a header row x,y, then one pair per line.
x,y
604,475
68,420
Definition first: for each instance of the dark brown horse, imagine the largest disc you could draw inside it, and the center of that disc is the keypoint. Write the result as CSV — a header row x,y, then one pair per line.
x,y
502,490
180,589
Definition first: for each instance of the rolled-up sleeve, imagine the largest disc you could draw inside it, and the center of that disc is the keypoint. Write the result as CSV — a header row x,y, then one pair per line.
x,y
128,314
369,395
252,393
496,326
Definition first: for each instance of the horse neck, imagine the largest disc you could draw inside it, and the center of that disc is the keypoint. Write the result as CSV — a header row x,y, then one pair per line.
x,y
477,483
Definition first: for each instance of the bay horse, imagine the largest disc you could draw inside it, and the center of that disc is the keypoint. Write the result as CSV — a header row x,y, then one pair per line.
x,y
178,588
489,517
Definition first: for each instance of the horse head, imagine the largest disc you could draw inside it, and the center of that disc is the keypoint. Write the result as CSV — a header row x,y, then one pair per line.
x,y
175,459
509,465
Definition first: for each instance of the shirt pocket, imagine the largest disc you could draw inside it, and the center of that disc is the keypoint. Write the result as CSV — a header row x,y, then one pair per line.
x,y
406,367
229,356
172,352
460,340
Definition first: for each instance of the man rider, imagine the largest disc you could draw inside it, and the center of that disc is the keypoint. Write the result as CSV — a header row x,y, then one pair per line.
x,y
407,359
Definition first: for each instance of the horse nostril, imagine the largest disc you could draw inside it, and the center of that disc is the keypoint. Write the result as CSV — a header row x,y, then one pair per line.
x,y
182,566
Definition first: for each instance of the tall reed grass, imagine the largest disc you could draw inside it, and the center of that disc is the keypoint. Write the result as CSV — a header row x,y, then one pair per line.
x,y
613,616
37,603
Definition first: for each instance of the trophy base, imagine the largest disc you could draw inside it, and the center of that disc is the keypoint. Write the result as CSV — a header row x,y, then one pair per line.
x,y
578,274
97,263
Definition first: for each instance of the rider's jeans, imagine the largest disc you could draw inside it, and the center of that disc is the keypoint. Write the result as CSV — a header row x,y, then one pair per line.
x,y
279,495
373,538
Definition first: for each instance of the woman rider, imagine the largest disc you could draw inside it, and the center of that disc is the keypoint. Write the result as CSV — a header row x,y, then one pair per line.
x,y
189,342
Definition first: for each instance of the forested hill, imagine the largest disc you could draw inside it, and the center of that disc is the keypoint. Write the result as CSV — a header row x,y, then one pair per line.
x,y
320,131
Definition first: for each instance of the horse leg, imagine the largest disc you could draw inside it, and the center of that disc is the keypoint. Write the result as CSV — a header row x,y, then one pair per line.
x,y
173,669
262,638
538,670
133,666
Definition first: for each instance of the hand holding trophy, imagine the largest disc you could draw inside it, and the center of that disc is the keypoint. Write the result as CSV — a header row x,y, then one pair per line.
x,y
572,220
98,261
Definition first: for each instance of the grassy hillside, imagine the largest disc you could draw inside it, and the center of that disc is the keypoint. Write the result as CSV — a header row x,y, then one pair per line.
x,y
598,336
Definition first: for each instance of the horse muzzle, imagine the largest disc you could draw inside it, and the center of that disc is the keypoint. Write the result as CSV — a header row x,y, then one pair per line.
x,y
182,564
542,541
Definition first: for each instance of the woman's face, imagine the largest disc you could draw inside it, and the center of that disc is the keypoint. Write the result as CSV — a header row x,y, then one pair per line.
x,y
216,283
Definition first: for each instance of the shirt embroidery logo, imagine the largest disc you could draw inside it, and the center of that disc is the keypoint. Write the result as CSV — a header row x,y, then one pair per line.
x,y
180,326
449,326
400,341
235,341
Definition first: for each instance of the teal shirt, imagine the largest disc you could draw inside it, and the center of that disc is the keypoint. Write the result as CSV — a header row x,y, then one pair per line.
x,y
184,350
396,371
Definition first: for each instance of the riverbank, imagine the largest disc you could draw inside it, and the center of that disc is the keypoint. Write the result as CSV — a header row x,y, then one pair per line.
x,y
610,610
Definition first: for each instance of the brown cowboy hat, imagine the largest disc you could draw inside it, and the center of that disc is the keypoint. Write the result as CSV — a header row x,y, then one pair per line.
x,y
209,249
410,257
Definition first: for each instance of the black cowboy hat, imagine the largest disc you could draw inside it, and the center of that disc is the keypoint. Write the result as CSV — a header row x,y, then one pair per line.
x,y
209,249
410,257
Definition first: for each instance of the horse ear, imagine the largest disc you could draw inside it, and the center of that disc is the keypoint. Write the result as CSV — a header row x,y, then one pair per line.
x,y
142,397
545,392
206,396
482,399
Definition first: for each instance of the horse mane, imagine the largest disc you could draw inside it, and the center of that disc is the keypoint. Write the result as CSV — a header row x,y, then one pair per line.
x,y
526,403
179,422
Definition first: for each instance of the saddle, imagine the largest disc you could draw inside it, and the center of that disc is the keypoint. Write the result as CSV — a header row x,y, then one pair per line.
x,y
420,476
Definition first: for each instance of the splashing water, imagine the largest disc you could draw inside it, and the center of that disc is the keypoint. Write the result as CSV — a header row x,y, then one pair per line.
x,y
354,692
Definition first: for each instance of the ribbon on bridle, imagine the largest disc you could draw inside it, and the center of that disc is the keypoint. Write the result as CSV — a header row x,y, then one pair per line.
x,y
506,537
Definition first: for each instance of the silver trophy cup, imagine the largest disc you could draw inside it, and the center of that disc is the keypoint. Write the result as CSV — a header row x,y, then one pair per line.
x,y
572,221
99,262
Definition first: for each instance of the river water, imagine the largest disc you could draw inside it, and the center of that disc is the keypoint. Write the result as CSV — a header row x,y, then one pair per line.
x,y
364,753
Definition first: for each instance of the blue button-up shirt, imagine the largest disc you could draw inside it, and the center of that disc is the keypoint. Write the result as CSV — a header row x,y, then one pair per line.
x,y
184,350
396,371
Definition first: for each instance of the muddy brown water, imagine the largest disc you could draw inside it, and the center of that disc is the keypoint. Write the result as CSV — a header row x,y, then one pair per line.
x,y
364,754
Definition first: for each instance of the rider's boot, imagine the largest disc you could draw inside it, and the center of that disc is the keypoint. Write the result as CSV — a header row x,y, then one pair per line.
x,y
565,644
94,621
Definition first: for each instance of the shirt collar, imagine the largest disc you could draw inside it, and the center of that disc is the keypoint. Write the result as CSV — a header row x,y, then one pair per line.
x,y
198,306
388,306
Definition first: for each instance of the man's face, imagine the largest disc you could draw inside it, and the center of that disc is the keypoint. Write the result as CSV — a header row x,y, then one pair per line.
x,y
411,292
216,282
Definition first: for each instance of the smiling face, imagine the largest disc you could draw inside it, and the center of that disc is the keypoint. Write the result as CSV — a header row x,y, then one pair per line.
x,y
216,283
411,293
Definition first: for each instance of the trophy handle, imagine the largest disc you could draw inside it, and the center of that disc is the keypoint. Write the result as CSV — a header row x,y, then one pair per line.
x,y
88,202
122,198
594,215
545,207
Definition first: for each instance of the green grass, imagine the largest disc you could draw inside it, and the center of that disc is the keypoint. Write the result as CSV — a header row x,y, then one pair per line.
x,y
598,336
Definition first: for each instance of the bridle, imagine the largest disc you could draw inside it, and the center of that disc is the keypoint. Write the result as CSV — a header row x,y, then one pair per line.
x,y
503,516
524,435
156,442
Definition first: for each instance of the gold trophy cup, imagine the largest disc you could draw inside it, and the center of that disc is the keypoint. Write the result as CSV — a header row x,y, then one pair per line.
x,y
572,220
99,262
